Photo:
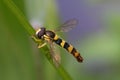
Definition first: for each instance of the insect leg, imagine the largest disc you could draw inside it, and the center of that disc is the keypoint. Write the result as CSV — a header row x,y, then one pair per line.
x,y
41,43
36,39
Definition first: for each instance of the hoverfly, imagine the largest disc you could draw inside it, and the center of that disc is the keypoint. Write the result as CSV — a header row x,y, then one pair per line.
x,y
50,37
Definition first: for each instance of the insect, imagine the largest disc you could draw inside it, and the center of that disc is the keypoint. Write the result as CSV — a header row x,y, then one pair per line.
x,y
51,37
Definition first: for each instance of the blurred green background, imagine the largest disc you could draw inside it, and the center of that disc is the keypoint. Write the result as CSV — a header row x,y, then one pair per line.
x,y
96,37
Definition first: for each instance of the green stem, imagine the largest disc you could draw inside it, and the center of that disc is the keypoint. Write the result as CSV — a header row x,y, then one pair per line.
x,y
21,18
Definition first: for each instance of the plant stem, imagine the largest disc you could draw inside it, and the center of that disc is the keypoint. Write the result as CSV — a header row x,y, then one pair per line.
x,y
21,18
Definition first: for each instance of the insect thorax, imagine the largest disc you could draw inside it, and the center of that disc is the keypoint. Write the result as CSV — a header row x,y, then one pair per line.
x,y
50,34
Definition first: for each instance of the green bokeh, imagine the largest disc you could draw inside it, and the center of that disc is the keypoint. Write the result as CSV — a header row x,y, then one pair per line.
x,y
20,59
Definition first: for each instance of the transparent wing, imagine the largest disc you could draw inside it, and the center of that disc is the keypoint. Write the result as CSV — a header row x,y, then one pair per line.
x,y
55,56
68,25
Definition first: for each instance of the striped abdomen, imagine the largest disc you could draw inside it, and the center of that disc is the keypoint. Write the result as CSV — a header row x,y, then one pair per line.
x,y
65,45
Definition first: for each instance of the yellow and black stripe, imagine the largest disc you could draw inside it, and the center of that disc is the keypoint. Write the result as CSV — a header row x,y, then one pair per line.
x,y
68,47
48,35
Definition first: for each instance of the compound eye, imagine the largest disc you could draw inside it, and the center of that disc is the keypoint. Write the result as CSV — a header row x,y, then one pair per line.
x,y
40,32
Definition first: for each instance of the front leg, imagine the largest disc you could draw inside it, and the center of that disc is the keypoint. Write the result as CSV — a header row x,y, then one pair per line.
x,y
41,45
40,42
36,39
